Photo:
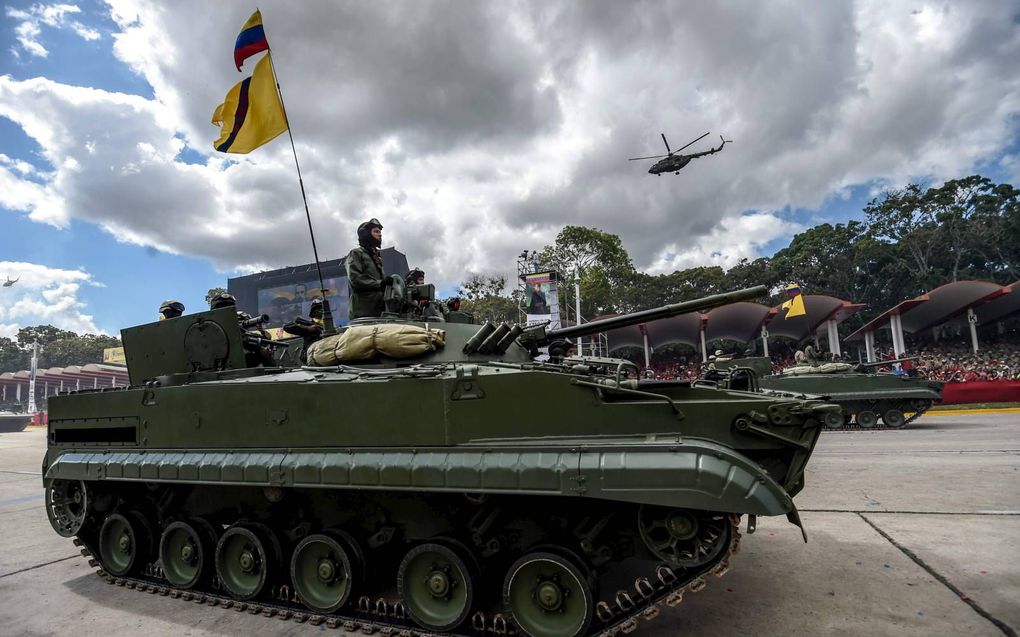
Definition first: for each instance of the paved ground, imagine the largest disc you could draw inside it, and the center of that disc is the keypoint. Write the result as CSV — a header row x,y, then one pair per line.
x,y
913,532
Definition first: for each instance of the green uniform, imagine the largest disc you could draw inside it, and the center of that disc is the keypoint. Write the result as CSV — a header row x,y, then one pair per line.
x,y
365,280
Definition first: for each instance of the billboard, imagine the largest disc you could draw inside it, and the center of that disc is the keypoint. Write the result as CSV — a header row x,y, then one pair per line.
x,y
114,356
285,302
542,298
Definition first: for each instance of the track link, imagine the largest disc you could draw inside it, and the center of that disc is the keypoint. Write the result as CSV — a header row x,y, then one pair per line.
x,y
623,613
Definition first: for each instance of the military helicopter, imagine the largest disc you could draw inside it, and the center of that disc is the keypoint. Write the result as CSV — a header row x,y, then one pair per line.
x,y
9,282
671,162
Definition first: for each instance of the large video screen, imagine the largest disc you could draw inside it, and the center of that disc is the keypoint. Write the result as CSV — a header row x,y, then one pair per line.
x,y
284,303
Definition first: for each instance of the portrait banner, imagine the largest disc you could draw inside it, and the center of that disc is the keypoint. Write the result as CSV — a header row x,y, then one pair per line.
x,y
542,299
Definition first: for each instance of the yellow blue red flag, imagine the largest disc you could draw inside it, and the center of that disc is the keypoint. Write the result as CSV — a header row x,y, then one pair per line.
x,y
251,39
794,306
251,114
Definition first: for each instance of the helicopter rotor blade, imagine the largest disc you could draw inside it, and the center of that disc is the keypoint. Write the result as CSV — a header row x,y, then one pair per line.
x,y
691,142
652,157
668,151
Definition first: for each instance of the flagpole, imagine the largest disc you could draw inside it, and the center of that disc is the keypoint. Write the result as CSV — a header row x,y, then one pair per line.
x,y
327,313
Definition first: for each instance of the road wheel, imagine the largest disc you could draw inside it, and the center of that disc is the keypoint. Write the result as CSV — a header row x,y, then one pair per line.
x,y
186,552
67,504
893,418
124,542
833,420
324,569
548,596
246,557
437,586
867,419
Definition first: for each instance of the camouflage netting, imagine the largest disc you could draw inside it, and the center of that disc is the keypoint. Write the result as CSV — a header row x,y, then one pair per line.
x,y
363,342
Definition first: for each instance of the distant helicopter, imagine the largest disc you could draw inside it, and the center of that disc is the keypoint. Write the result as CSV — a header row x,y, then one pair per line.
x,y
9,282
671,162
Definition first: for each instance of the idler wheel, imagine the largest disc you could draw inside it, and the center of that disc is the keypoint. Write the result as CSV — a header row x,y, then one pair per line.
x,y
325,568
893,418
67,504
680,537
437,586
246,557
124,542
186,552
834,420
867,419
548,596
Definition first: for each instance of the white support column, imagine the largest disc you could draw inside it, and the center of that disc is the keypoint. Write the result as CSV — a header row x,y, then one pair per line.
x,y
972,321
869,345
18,393
648,353
704,347
897,335
833,337
764,341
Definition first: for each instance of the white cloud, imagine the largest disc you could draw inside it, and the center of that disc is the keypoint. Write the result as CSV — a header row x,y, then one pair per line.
x,y
475,131
55,16
42,296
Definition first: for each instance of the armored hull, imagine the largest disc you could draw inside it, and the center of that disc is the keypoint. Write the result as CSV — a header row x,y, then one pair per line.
x,y
865,398
14,422
456,491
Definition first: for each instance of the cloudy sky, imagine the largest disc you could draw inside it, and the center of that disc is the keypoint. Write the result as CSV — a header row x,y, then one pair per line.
x,y
473,130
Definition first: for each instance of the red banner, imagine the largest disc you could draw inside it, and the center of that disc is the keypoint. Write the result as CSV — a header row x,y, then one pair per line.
x,y
992,391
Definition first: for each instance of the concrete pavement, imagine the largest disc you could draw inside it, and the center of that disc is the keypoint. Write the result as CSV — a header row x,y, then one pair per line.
x,y
912,532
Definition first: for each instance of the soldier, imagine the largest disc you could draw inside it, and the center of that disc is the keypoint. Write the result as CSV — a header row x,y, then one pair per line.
x,y
365,275
223,299
309,330
170,309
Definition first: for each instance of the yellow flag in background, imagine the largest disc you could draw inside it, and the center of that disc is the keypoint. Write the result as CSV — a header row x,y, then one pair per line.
x,y
251,114
794,306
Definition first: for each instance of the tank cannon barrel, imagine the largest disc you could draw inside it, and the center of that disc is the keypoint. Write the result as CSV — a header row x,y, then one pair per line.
x,y
888,362
654,314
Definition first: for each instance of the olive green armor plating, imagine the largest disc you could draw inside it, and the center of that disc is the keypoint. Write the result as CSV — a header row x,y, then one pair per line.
x,y
478,487
864,395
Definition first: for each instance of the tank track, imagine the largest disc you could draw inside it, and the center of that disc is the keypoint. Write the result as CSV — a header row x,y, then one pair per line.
x,y
622,614
880,426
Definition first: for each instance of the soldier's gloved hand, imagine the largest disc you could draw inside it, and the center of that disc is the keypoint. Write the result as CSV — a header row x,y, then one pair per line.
x,y
387,282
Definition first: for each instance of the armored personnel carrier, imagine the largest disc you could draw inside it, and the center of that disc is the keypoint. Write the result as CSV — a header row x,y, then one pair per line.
x,y
864,394
11,422
436,477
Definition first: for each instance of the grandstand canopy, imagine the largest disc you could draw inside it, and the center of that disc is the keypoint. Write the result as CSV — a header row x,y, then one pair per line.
x,y
740,322
986,301
935,307
820,310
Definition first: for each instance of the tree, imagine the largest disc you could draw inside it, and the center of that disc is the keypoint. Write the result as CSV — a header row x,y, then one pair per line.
x,y
603,265
12,357
77,350
42,334
485,297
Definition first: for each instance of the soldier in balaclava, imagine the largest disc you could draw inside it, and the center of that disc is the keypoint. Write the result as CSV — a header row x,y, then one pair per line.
x,y
365,275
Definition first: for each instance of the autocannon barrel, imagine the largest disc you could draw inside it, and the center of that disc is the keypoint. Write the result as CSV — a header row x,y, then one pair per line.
x,y
654,314
889,362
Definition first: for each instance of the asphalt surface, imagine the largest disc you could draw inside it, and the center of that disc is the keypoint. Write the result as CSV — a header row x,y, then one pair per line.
x,y
911,532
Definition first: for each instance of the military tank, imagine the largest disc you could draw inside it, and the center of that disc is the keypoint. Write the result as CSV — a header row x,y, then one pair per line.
x,y
11,422
469,486
864,394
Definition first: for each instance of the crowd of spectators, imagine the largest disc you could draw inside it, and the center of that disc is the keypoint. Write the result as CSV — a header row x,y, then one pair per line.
x,y
959,364
943,362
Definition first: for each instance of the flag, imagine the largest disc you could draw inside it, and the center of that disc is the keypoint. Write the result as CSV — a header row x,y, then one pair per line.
x,y
251,114
251,39
795,305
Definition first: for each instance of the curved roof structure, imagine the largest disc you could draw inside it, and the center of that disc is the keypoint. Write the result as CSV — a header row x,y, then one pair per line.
x,y
820,308
943,304
737,321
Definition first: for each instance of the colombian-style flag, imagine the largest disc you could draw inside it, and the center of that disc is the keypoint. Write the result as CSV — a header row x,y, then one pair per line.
x,y
251,39
795,306
251,114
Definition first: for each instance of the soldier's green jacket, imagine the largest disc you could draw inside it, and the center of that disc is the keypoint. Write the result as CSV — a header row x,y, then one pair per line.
x,y
365,279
